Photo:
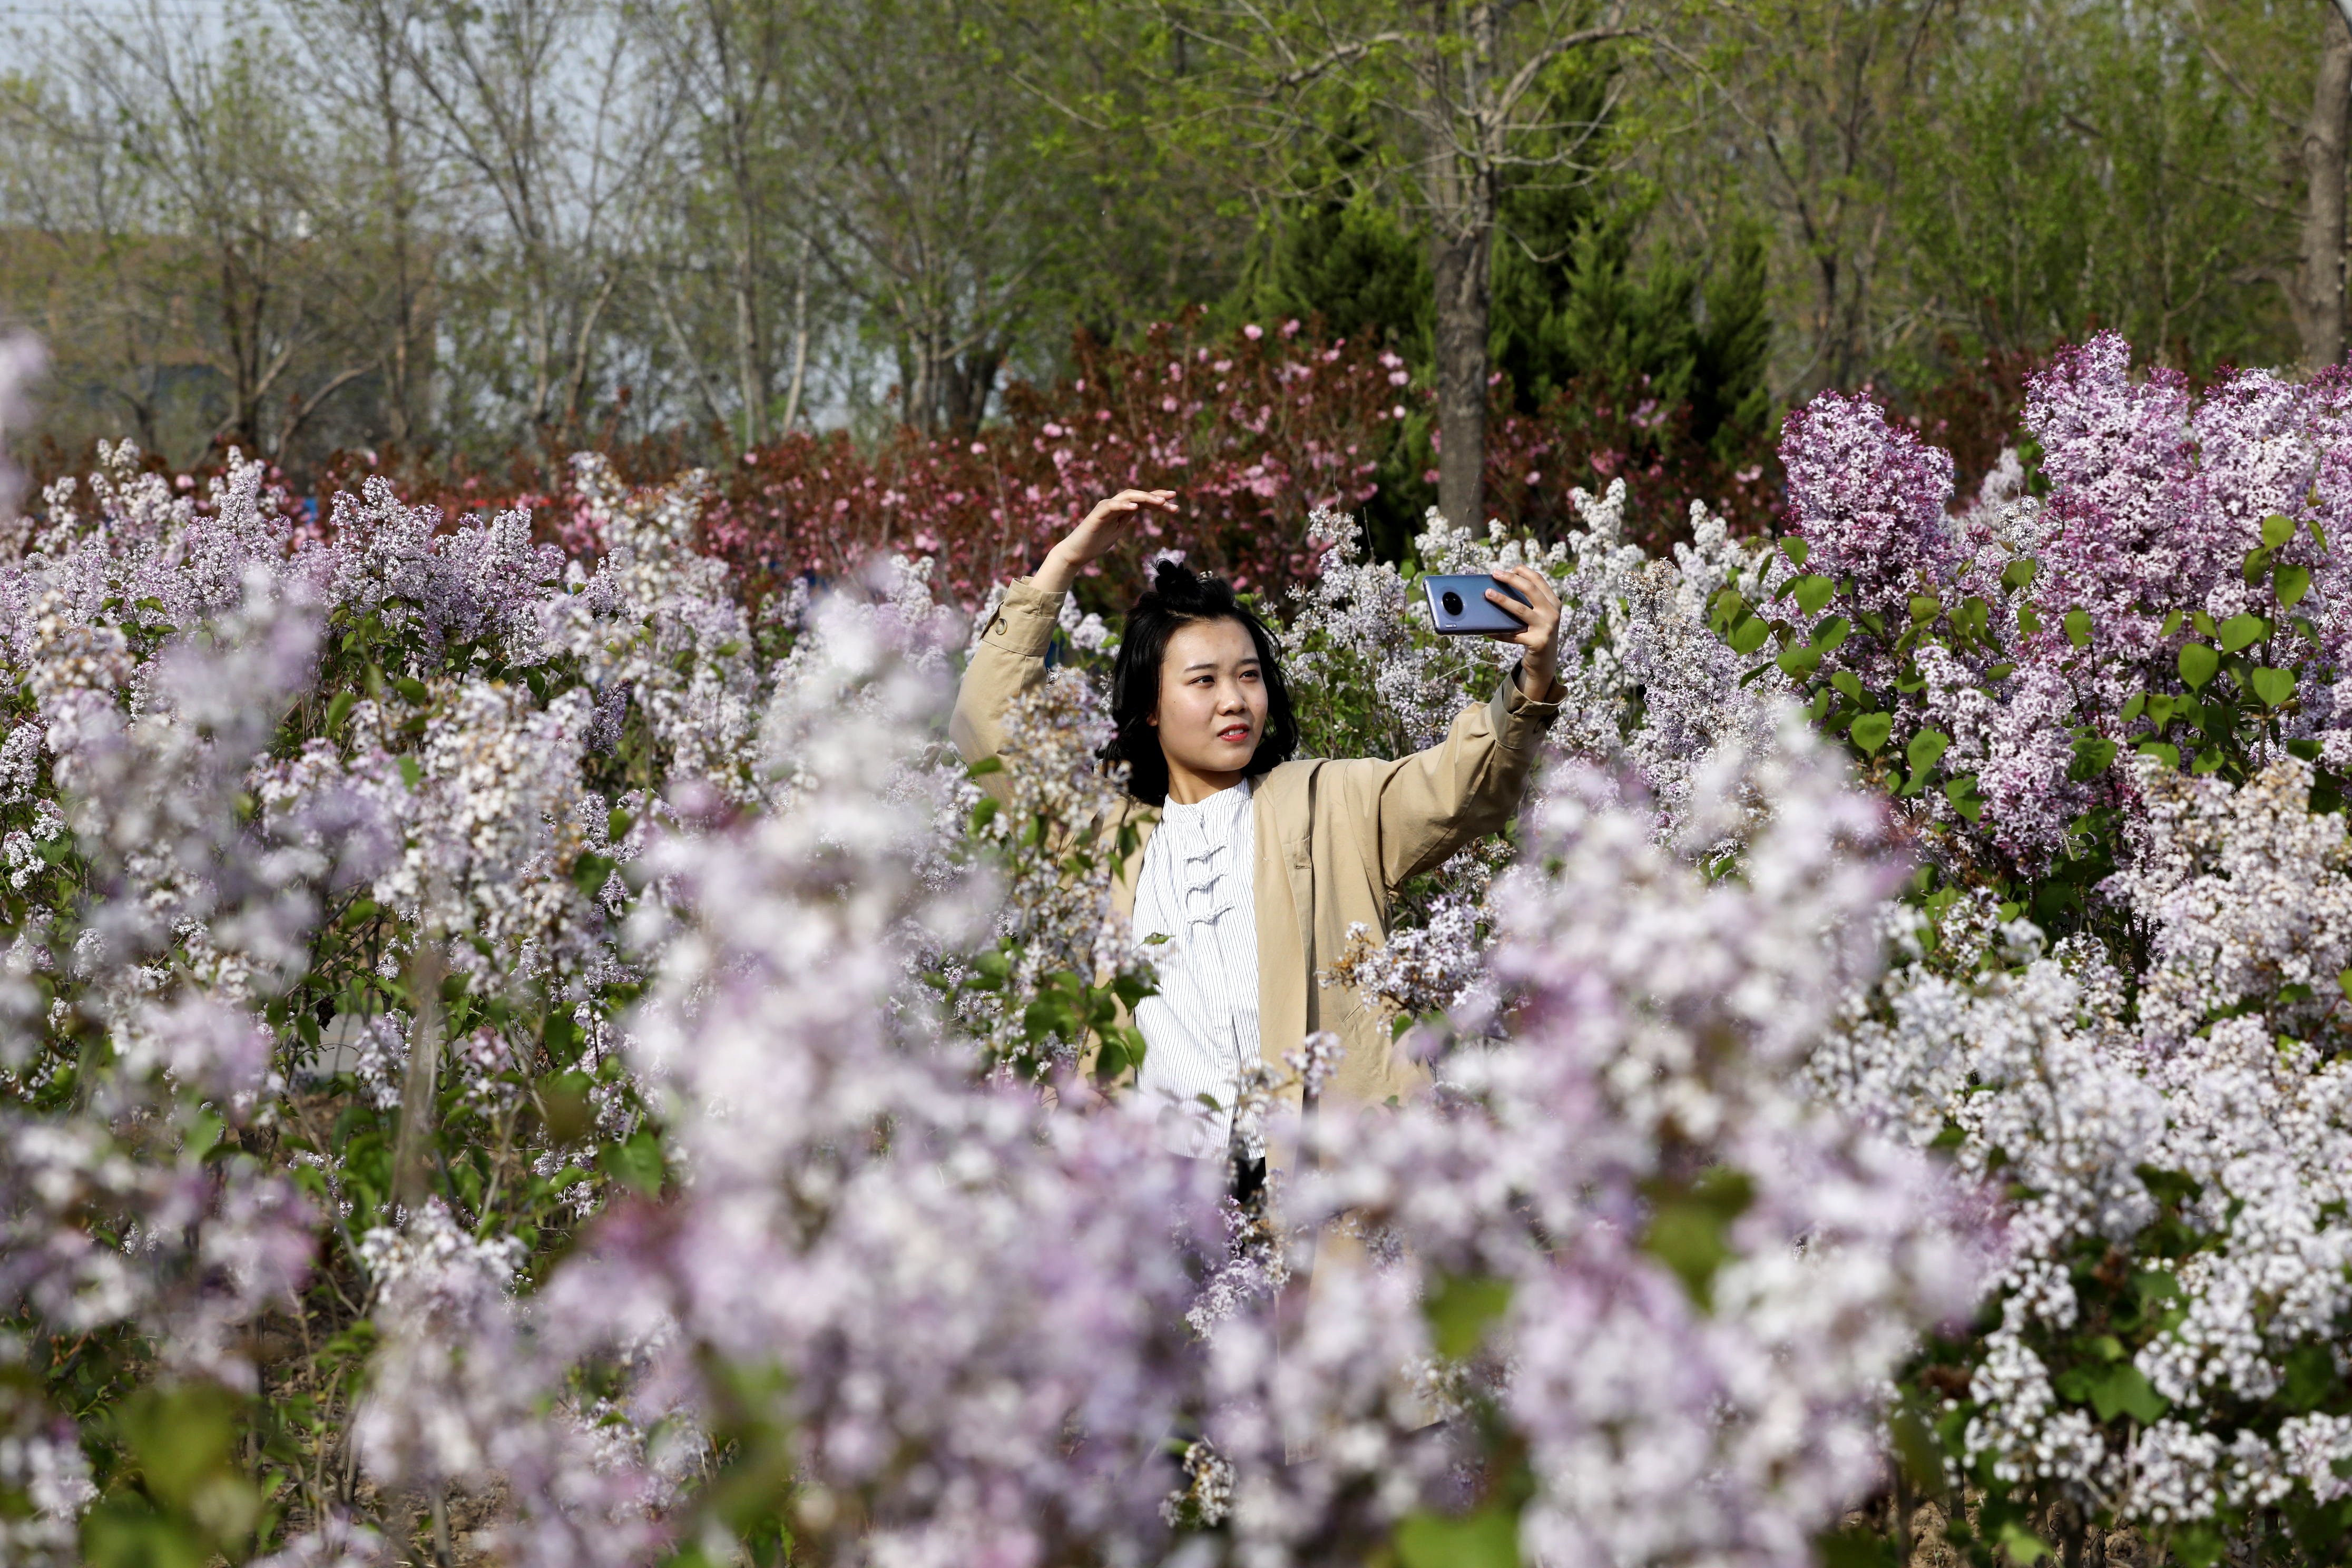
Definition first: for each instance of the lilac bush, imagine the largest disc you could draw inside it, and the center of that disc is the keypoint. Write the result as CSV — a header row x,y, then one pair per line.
x,y
2169,586
1616,1289
2175,1136
540,1058
2104,709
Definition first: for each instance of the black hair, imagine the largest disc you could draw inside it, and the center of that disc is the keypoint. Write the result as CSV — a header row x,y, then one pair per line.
x,y
1179,597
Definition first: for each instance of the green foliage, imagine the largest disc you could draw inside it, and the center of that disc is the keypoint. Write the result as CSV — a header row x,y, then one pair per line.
x,y
1575,308
1489,1538
1689,1221
181,1493
2070,167
1353,265
1461,1309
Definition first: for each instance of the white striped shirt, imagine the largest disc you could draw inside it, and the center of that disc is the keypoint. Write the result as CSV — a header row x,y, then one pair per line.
x,y
1200,1031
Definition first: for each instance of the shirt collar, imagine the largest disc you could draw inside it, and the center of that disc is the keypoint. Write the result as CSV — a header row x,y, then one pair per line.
x,y
1211,821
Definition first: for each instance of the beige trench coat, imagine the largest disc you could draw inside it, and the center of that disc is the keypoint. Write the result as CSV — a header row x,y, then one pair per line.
x,y
1335,840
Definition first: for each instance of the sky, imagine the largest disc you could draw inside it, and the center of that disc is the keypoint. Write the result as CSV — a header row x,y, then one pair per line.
x,y
23,21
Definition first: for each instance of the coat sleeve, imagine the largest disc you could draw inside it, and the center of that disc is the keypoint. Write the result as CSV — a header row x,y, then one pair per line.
x,y
1419,810
1010,661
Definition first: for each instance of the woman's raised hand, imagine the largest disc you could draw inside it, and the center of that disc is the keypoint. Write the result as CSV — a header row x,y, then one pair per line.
x,y
1093,538
1538,633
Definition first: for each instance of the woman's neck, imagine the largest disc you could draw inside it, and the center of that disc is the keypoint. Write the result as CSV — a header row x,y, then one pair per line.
x,y
1187,786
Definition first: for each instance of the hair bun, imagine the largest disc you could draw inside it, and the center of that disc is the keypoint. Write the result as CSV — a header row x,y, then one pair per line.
x,y
1174,581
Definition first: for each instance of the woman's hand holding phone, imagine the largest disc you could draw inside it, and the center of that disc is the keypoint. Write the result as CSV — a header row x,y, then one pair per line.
x,y
1538,633
1097,534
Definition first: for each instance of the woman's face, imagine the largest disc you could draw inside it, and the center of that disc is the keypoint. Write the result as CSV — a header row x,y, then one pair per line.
x,y
1212,698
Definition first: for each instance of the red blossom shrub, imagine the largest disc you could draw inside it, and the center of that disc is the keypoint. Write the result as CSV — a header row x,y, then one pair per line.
x,y
1590,433
1254,428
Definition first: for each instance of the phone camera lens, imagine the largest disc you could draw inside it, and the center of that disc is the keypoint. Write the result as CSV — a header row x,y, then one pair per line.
x,y
1452,602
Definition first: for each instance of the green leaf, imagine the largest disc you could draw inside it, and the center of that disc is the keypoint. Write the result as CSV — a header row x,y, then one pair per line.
x,y
2272,685
590,873
618,823
635,1164
1121,1049
2169,755
2277,530
2241,631
2171,624
2291,583
2344,983
2024,1547
1795,549
984,810
2198,664
1748,636
1724,609
1812,592
409,686
2124,1390
1831,634
340,709
2197,1545
2210,760
563,1098
2078,628
1924,748
1925,609
204,1132
1856,1546
1689,1226
1049,1015
1800,661
2092,754
2027,621
411,773
184,1436
125,1532
1460,1309
2132,708
1486,1539
2019,571
1846,681
2257,562
2310,1376
986,766
1870,732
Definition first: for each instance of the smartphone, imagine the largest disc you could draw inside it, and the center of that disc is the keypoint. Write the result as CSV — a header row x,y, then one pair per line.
x,y
1459,605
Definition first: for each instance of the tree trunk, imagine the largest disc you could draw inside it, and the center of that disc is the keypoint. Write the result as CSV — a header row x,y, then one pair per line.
x,y
751,334
751,353
2318,298
1460,264
800,344
412,1154
970,381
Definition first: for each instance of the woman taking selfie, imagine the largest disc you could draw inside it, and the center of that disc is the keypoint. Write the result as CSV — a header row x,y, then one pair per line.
x,y
1252,865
